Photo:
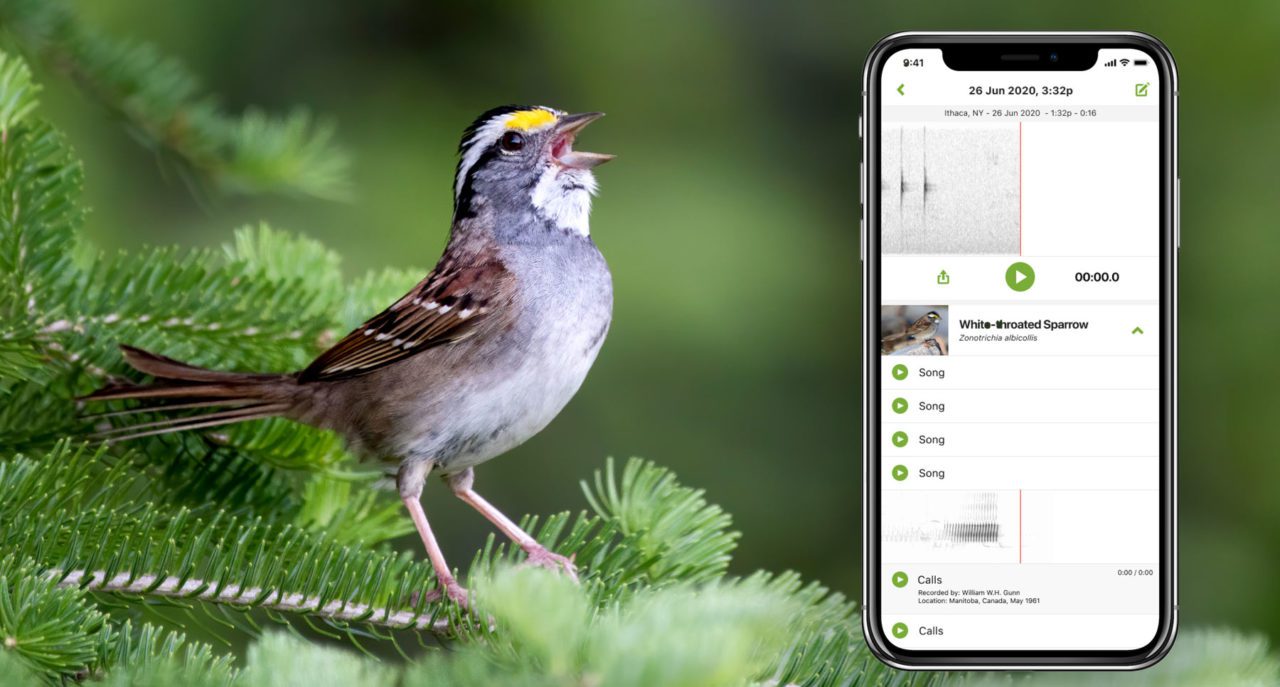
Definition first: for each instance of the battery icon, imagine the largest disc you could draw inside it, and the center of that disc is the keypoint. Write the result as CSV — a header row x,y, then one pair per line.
x,y
1139,63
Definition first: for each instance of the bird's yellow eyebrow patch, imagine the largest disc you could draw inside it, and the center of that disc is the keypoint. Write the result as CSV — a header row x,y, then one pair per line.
x,y
529,119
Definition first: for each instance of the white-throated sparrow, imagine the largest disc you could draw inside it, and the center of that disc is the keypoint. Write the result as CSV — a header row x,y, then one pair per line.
x,y
481,355
916,333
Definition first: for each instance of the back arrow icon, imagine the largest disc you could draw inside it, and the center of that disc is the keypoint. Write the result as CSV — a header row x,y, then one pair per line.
x,y
900,89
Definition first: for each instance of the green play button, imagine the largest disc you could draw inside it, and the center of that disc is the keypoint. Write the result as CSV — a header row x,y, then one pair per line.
x,y
900,439
899,630
899,405
899,472
1019,276
899,579
899,372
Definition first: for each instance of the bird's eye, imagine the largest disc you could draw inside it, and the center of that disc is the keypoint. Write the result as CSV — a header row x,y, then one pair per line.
x,y
511,142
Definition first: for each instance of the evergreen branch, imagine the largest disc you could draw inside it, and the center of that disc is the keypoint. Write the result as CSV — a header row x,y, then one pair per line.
x,y
37,414
71,514
286,445
154,656
19,94
191,589
52,633
351,513
291,153
248,303
279,257
17,673
20,362
189,305
39,184
167,110
687,538
188,471
304,663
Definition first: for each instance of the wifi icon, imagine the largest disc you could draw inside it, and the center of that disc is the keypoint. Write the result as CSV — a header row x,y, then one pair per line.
x,y
1124,62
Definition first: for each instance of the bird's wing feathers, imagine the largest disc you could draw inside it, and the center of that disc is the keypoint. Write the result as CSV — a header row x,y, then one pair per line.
x,y
443,308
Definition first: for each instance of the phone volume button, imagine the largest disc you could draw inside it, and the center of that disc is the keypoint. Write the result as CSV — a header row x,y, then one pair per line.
x,y
1177,213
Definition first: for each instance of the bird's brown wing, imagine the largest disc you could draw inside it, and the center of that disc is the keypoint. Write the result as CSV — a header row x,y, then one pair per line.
x,y
443,308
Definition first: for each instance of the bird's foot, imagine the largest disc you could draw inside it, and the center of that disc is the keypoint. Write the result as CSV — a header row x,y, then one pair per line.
x,y
539,556
457,593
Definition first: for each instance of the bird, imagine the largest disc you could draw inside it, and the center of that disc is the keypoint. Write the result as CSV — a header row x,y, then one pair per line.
x,y
478,357
918,332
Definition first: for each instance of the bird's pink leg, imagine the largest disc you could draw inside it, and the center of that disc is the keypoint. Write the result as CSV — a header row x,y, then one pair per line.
x,y
409,481
537,553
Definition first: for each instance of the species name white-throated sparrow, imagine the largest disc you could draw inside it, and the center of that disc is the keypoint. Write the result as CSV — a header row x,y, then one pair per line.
x,y
916,333
480,356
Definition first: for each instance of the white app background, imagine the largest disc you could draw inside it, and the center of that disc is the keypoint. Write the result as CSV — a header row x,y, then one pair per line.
x,y
1019,355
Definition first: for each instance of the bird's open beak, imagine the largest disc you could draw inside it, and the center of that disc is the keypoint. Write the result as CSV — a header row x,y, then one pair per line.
x,y
562,144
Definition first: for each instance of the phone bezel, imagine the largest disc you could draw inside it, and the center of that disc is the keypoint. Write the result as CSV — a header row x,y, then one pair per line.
x,y
880,645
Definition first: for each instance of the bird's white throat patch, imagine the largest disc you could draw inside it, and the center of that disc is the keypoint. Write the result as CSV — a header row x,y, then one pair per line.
x,y
562,196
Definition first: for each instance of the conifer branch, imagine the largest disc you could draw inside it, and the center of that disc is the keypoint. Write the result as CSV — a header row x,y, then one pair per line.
x,y
191,589
167,109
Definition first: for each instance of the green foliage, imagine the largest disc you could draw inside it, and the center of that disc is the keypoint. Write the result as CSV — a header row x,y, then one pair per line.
x,y
19,93
350,512
113,555
90,527
152,657
15,672
39,185
167,110
668,522
690,635
52,631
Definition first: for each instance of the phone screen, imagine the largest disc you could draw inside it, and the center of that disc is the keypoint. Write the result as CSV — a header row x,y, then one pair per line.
x,y
1020,369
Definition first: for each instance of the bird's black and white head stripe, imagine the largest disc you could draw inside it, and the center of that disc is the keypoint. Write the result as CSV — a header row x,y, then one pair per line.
x,y
479,140
519,159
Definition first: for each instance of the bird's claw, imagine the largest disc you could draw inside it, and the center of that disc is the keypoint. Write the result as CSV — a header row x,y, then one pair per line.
x,y
539,556
456,593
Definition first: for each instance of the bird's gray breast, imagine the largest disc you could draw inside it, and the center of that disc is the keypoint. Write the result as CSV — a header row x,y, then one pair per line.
x,y
521,377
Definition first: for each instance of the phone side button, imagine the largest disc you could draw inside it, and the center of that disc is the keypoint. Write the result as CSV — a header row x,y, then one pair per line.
x,y
1177,213
862,185
862,239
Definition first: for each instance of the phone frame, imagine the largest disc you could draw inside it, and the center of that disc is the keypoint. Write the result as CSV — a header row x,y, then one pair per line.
x,y
881,646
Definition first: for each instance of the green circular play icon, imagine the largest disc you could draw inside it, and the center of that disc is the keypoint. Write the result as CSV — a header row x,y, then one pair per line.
x,y
900,630
900,439
899,405
899,579
899,372
900,472
1020,276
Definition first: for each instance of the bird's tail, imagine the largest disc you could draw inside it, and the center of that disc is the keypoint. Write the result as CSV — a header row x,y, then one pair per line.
x,y
218,398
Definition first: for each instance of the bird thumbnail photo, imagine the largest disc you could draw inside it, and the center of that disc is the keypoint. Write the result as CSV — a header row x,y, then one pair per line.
x,y
913,330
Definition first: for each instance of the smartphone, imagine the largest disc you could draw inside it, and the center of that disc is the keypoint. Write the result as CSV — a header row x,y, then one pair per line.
x,y
1019,244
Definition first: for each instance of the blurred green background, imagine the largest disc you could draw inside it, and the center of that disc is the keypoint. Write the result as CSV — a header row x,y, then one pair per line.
x,y
730,221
